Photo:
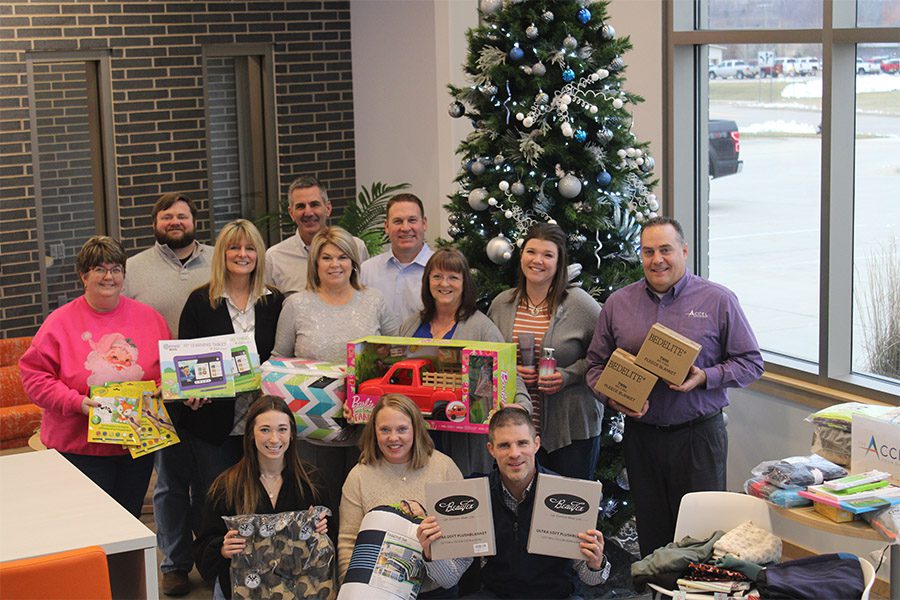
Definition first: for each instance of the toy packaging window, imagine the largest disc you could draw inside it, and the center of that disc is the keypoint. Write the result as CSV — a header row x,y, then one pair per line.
x,y
213,367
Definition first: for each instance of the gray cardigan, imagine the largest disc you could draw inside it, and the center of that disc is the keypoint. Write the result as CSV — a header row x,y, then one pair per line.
x,y
572,413
469,450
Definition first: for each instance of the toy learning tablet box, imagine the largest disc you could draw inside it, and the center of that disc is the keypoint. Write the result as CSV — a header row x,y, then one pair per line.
x,y
211,367
457,384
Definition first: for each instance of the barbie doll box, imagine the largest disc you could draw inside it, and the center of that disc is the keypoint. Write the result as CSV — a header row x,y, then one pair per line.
x,y
457,384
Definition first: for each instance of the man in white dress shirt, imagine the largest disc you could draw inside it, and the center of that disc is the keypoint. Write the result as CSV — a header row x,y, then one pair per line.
x,y
309,208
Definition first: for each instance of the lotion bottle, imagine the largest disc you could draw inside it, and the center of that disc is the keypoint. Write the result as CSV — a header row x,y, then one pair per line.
x,y
547,364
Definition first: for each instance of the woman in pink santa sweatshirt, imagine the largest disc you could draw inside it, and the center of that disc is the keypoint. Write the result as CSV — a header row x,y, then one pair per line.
x,y
100,337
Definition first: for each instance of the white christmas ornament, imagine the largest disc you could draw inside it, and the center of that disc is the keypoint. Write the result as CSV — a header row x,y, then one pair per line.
x,y
621,153
566,129
629,152
527,121
552,221
569,186
489,7
492,201
503,185
477,197
593,109
617,103
499,250
508,214
520,116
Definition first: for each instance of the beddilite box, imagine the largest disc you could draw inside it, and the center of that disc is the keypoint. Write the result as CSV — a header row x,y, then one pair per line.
x,y
314,391
668,354
624,381
457,384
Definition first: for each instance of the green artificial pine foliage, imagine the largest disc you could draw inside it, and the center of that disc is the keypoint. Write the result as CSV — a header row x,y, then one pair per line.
x,y
552,142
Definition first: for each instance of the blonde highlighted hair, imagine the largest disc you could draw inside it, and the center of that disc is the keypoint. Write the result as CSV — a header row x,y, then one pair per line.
x,y
422,446
340,238
236,232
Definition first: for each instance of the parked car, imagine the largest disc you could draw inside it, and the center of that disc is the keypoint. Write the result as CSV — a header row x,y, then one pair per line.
x,y
808,65
891,66
786,66
724,148
866,67
739,69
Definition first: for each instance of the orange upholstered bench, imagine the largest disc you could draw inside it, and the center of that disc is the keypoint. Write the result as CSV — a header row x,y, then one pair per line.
x,y
18,416
74,574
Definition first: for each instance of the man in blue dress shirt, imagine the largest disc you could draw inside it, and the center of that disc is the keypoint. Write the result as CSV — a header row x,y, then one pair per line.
x,y
397,273
677,442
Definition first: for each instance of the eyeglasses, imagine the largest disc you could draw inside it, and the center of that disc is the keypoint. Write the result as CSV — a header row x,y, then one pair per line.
x,y
115,271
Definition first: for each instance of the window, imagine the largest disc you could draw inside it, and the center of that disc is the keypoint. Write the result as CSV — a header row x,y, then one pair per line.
x,y
793,175
74,183
240,134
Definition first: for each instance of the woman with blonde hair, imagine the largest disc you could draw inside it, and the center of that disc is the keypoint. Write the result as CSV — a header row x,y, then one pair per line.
x,y
317,323
397,458
236,300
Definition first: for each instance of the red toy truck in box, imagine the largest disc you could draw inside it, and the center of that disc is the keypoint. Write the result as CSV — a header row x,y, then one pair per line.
x,y
437,394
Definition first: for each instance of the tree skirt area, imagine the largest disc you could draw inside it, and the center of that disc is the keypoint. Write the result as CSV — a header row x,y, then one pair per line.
x,y
621,551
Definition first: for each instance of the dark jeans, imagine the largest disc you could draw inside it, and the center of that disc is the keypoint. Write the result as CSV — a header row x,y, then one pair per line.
x,y
664,465
184,473
578,459
122,477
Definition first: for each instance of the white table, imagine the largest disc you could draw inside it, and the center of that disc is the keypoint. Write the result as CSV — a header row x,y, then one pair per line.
x,y
47,505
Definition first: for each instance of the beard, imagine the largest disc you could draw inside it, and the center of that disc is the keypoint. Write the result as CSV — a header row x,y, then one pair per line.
x,y
175,243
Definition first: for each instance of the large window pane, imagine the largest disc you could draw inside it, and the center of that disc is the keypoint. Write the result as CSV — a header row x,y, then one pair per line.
x,y
876,224
764,219
878,13
764,14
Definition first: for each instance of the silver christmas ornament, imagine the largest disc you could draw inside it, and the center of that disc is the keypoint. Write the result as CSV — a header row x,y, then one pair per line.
x,y
489,7
648,165
499,250
604,136
569,186
547,16
617,64
477,168
570,42
456,109
542,98
477,199
454,231
538,69
608,32
531,31
517,188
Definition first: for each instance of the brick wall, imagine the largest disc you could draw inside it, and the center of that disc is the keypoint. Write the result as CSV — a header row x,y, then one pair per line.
x,y
158,112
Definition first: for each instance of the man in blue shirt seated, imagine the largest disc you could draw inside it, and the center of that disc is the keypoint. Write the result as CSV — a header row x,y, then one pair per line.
x,y
513,572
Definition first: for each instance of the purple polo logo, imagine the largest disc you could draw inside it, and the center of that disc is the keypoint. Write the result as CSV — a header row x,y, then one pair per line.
x,y
456,505
566,504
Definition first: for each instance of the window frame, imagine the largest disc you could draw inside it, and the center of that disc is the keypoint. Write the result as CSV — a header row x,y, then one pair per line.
x,y
686,173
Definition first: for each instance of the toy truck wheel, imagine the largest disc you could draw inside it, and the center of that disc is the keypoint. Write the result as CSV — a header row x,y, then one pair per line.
x,y
439,411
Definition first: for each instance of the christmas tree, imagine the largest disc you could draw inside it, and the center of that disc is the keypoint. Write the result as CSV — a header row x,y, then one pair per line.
x,y
552,142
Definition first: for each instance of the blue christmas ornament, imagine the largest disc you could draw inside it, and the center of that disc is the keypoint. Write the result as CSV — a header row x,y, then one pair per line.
x,y
580,135
516,53
603,178
568,75
584,15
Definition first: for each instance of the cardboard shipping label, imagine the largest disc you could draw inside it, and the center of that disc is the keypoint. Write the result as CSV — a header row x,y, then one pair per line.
x,y
563,508
463,510
668,354
625,382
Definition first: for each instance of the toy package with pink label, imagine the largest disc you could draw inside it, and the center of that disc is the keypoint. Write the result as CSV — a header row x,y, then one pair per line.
x,y
457,384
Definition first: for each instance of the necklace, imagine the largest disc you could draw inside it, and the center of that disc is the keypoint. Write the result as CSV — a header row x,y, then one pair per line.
x,y
274,478
534,309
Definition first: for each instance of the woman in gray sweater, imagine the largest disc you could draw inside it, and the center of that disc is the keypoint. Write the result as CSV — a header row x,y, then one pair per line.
x,y
544,307
448,297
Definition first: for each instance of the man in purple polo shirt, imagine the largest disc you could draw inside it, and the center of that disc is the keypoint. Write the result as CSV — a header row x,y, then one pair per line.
x,y
677,442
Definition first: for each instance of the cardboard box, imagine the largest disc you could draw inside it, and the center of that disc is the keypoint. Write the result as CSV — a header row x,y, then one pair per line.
x,y
563,508
625,382
463,510
457,384
875,444
212,367
668,354
314,391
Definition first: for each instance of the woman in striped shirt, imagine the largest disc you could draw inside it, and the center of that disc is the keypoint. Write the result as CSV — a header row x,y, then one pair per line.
x,y
562,317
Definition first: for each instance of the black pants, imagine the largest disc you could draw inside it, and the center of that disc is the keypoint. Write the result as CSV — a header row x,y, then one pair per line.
x,y
664,464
